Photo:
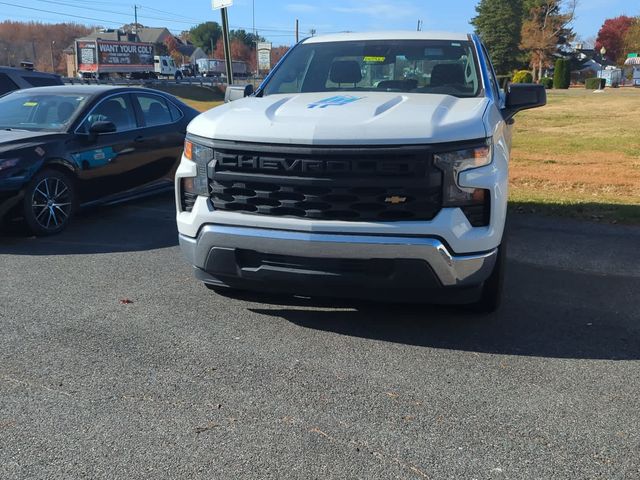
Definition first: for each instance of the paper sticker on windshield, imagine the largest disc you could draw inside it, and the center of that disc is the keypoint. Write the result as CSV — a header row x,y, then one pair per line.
x,y
30,104
370,59
336,101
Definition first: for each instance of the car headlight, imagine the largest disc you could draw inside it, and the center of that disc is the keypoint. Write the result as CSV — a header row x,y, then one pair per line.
x,y
201,155
6,164
452,164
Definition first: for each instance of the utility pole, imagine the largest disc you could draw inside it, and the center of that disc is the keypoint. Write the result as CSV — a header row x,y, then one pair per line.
x,y
135,14
297,30
227,47
255,37
53,67
419,25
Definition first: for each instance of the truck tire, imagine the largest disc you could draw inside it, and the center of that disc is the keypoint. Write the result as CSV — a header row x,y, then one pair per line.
x,y
491,295
50,202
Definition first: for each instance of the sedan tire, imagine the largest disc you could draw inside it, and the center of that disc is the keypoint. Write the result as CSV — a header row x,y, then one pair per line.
x,y
50,200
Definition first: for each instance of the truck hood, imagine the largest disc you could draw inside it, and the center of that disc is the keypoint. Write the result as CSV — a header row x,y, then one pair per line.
x,y
364,118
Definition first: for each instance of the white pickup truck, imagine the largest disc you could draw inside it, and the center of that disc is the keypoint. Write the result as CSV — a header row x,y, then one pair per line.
x,y
366,165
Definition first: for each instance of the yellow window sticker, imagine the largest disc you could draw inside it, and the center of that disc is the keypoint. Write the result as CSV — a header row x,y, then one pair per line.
x,y
374,59
30,104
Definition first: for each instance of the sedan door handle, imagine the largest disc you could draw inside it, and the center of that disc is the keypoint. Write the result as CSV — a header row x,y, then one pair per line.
x,y
139,139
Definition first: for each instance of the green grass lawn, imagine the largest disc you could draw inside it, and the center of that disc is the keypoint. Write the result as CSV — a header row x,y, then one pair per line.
x,y
579,156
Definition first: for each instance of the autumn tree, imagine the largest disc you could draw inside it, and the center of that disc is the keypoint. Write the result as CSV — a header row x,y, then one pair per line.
x,y
37,42
547,26
631,40
499,24
611,36
172,49
277,53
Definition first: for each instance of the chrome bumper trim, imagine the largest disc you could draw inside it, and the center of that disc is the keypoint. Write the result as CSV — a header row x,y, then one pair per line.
x,y
452,270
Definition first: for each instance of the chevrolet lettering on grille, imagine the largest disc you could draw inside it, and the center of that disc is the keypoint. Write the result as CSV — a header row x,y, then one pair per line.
x,y
300,165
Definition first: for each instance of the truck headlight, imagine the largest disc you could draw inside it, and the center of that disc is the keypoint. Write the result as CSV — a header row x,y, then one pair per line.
x,y
452,164
201,155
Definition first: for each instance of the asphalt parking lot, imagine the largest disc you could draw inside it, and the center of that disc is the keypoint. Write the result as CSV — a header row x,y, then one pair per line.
x,y
116,364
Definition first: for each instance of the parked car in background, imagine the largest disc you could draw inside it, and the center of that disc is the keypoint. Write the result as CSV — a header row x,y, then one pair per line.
x,y
17,78
67,146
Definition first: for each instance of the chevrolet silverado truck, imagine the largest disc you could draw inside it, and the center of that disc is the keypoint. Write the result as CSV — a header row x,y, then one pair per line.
x,y
366,165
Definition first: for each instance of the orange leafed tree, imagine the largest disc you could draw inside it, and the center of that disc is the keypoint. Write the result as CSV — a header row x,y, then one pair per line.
x,y
546,27
172,48
35,42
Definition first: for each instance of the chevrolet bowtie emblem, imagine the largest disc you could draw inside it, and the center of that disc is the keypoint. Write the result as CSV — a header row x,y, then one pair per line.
x,y
395,200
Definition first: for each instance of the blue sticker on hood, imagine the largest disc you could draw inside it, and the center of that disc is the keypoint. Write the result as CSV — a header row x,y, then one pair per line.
x,y
338,100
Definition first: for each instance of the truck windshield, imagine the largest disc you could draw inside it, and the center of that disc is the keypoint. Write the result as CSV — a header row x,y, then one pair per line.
x,y
415,66
32,111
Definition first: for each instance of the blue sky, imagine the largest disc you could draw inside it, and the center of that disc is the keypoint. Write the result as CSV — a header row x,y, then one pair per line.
x,y
274,19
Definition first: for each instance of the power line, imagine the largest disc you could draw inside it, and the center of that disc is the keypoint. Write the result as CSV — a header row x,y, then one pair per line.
x,y
142,15
65,14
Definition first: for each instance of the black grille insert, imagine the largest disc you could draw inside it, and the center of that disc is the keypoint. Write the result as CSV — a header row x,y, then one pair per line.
x,y
355,184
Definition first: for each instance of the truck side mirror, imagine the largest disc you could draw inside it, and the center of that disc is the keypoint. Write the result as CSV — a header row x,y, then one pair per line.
x,y
522,96
236,92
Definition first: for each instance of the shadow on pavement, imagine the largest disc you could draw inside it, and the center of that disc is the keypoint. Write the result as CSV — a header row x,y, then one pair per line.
x,y
136,225
547,313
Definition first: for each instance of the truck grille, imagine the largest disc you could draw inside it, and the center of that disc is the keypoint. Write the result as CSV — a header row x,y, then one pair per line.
x,y
353,184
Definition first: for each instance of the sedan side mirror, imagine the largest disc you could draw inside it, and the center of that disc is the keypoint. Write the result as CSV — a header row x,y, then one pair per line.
x,y
102,127
522,96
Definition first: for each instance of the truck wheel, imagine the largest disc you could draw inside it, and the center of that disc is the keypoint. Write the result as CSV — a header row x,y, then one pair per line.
x,y
50,201
492,288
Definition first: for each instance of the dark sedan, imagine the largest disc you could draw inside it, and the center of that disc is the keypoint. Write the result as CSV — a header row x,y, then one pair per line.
x,y
67,146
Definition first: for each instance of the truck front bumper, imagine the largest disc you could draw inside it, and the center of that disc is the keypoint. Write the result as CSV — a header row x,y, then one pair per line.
x,y
382,267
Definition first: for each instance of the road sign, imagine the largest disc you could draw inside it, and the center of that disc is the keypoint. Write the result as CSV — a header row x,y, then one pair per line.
x,y
217,4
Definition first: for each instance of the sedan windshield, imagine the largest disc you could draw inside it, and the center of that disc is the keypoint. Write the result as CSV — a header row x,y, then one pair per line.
x,y
416,66
24,110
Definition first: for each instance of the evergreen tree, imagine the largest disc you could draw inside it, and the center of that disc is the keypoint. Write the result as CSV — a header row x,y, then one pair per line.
x,y
206,35
562,74
499,24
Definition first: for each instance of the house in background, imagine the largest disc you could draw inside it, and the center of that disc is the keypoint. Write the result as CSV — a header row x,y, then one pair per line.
x,y
191,54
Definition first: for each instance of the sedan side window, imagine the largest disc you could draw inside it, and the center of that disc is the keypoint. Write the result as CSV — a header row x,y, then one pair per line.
x,y
155,110
116,109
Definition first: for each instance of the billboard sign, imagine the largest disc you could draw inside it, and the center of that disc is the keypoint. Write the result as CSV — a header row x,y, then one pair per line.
x,y
114,56
264,56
